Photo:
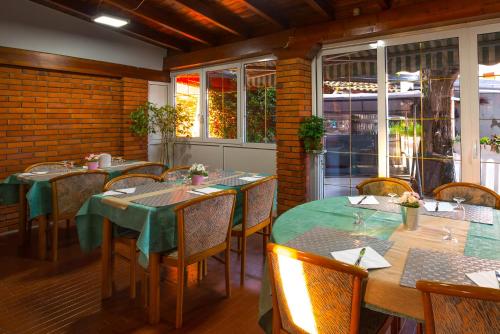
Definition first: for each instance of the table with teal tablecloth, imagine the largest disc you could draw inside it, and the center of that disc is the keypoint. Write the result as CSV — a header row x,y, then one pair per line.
x,y
383,292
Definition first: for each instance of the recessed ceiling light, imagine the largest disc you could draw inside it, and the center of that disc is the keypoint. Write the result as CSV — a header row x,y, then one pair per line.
x,y
110,21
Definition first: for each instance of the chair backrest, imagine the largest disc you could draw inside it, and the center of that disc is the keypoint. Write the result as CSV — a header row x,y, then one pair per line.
x,y
175,170
47,167
130,180
459,309
299,281
71,190
152,168
382,186
204,223
258,201
473,194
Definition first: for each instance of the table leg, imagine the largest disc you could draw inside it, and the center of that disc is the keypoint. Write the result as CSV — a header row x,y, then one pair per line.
x,y
42,237
106,265
22,214
154,288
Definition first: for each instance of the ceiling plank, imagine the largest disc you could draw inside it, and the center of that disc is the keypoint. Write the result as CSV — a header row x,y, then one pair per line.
x,y
263,9
133,29
223,19
323,7
49,61
169,22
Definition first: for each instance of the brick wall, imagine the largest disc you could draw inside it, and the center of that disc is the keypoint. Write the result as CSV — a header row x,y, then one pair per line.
x,y
294,102
50,116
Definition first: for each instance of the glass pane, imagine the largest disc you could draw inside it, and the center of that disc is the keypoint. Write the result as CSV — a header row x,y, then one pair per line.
x,y
350,111
222,95
187,96
424,112
260,82
489,108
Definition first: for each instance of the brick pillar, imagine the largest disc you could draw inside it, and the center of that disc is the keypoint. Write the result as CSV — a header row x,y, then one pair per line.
x,y
294,102
135,93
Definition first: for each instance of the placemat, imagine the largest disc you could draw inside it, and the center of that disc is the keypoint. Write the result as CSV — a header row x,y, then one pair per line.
x,y
45,177
324,240
236,181
384,205
148,188
473,213
165,199
425,264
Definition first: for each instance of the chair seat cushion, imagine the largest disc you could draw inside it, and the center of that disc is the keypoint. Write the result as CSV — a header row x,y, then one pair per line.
x,y
371,321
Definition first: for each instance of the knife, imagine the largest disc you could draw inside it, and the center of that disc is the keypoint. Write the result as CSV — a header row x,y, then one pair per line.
x,y
437,206
497,274
361,254
361,200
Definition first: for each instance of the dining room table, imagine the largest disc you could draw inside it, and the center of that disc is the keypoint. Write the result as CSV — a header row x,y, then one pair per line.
x,y
445,247
149,211
33,193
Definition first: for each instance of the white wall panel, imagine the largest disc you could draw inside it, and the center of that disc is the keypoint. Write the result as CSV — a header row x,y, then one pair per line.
x,y
255,160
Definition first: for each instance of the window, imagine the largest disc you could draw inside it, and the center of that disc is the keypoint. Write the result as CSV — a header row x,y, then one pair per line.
x,y
187,96
222,103
260,84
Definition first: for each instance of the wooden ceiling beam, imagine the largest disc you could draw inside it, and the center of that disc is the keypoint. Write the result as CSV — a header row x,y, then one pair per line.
x,y
223,19
385,4
170,22
135,30
263,9
323,7
302,42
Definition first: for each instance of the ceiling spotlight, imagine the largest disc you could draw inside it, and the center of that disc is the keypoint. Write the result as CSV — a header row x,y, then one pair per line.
x,y
110,21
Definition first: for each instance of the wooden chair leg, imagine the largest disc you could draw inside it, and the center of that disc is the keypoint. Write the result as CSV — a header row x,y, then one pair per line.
x,y
200,270
205,267
145,289
42,237
265,238
133,269
243,256
180,297
228,272
239,244
420,328
55,239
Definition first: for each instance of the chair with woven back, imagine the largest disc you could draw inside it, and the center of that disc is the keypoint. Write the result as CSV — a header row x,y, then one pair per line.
x,y
203,230
125,245
46,167
314,294
174,171
456,309
471,192
69,192
258,200
381,186
152,168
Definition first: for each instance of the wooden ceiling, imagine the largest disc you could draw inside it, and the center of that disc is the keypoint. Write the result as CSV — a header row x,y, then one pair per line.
x,y
189,25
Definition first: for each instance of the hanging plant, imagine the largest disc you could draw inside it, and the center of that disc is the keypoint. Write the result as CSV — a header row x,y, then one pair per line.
x,y
312,131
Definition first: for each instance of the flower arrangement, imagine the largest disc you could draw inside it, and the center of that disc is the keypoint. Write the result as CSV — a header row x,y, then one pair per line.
x,y
92,157
197,169
410,200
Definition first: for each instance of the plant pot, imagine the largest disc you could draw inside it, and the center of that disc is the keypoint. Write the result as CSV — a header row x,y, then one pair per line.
x,y
313,144
410,217
197,179
92,165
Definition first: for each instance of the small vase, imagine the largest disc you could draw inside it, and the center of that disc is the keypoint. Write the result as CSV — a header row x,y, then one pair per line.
x,y
92,165
410,217
197,179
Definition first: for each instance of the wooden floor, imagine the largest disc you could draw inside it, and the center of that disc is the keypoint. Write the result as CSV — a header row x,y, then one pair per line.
x,y
43,297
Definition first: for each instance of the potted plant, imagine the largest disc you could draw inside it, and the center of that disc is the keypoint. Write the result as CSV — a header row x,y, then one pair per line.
x,y
410,204
197,173
167,120
92,161
312,131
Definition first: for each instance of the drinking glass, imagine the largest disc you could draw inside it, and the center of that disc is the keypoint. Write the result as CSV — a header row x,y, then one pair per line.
x,y
448,235
459,201
359,223
392,195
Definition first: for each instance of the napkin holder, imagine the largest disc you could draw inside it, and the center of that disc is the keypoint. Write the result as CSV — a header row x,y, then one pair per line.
x,y
104,160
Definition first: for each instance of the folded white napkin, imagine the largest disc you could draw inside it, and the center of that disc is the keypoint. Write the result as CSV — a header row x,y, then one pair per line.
x,y
371,259
368,200
126,190
442,207
486,279
111,193
207,190
251,178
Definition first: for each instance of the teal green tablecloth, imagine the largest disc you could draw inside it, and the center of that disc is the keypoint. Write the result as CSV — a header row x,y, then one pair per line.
x,y
157,227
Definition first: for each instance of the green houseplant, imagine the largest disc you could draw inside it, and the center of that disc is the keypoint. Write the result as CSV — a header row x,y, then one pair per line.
x,y
167,120
311,131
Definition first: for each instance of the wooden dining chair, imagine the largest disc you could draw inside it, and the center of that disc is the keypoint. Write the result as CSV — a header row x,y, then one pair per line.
x,y
382,186
203,230
473,194
46,167
69,192
125,245
152,168
450,308
258,200
164,176
314,294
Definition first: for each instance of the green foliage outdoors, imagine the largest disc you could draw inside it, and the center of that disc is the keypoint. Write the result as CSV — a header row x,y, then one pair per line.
x,y
261,115
405,128
222,115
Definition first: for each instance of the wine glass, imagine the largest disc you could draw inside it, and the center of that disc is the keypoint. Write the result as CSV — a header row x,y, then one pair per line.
x,y
448,235
359,223
459,201
392,195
